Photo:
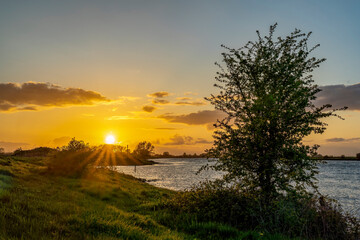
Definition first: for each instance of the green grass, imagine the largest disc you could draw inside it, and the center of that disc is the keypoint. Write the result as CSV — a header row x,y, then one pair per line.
x,y
102,204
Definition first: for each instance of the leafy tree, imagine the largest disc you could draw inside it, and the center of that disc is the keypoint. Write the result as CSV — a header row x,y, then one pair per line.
x,y
267,92
144,150
76,145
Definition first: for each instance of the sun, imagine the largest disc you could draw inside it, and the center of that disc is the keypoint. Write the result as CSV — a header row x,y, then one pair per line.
x,y
110,139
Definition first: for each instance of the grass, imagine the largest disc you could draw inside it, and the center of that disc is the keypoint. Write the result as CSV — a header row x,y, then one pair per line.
x,y
102,204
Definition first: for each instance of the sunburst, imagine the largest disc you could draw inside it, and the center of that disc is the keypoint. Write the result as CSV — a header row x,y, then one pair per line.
x,y
110,139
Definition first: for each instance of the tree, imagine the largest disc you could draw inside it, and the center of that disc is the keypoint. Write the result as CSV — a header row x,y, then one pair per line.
x,y
268,93
144,150
166,154
76,145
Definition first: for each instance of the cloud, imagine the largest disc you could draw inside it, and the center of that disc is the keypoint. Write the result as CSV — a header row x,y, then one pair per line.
x,y
195,103
128,98
342,139
28,108
119,118
339,96
183,98
6,106
158,94
190,93
186,140
160,101
30,95
149,109
199,118
61,141
180,140
164,128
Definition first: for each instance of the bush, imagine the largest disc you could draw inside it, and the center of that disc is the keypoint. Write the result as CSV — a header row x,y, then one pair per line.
x,y
308,216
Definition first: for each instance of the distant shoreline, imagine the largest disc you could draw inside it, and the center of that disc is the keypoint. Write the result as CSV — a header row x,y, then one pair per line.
x,y
337,158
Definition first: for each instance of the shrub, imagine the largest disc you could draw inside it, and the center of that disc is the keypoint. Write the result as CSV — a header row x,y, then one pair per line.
x,y
306,215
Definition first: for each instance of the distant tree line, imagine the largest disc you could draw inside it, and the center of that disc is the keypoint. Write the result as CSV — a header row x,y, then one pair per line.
x,y
184,155
143,150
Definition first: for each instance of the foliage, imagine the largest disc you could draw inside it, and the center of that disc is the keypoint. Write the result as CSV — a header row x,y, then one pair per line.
x,y
77,158
36,152
144,150
310,217
267,92
119,148
17,151
76,145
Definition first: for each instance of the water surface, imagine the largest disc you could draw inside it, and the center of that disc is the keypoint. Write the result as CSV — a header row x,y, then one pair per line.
x,y
337,179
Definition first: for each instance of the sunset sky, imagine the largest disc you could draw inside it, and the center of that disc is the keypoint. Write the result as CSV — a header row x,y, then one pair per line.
x,y
140,69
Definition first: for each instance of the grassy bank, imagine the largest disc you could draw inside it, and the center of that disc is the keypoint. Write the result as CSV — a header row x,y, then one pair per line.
x,y
101,204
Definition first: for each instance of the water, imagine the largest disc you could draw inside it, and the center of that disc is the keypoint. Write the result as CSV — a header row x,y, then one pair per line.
x,y
337,179
341,180
172,173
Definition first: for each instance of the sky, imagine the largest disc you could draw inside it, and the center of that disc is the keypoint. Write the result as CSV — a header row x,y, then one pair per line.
x,y
140,70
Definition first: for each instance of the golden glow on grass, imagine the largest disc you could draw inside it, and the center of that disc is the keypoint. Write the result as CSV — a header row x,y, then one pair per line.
x,y
110,139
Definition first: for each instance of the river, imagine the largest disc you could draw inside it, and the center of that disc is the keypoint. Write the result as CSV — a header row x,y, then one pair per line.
x,y
337,179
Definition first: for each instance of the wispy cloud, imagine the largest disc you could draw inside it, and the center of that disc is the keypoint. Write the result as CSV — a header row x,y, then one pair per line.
x,y
205,117
128,98
158,97
149,109
160,101
193,103
186,140
183,98
31,95
158,94
342,139
190,93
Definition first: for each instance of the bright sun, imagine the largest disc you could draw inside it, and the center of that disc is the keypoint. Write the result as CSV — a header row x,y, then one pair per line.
x,y
110,139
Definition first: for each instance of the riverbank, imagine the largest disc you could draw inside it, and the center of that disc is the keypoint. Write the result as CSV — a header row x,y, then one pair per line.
x,y
102,204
